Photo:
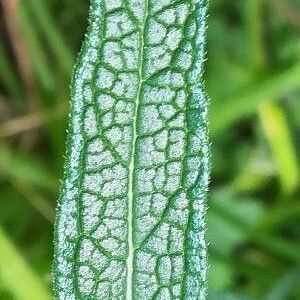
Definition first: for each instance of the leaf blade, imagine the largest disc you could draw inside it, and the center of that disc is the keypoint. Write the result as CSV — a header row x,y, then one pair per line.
x,y
17,275
137,136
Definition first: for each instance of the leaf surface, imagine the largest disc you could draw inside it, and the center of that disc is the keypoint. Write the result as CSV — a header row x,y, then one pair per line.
x,y
131,218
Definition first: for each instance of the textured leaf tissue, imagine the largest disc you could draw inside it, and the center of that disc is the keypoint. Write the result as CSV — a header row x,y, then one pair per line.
x,y
131,216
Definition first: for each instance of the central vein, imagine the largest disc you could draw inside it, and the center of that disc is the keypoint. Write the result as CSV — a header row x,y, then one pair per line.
x,y
130,258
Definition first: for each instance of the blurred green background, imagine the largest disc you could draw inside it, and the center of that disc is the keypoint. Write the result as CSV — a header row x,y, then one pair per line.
x,y
253,80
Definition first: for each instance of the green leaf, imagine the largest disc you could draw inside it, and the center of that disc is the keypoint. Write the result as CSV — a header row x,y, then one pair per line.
x,y
278,133
16,274
9,77
228,296
48,27
220,275
247,101
286,286
21,167
39,59
131,219
227,227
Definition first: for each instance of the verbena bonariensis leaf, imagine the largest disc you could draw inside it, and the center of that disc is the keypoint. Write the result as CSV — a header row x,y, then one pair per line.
x,y
131,219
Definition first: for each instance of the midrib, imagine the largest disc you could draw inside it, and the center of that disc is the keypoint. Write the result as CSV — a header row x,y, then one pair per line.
x,y
129,263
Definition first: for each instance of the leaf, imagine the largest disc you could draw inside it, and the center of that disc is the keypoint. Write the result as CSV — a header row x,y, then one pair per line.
x,y
8,76
246,102
228,296
227,227
39,59
131,219
16,274
22,167
220,275
276,128
53,36
286,286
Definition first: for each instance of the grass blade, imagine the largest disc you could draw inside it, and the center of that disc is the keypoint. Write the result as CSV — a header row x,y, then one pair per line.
x,y
15,165
16,274
278,134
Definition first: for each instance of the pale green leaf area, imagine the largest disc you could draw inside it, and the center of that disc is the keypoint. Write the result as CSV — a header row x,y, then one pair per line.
x,y
131,217
275,125
17,275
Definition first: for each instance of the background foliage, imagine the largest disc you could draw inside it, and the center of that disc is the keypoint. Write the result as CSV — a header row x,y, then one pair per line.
x,y
253,79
